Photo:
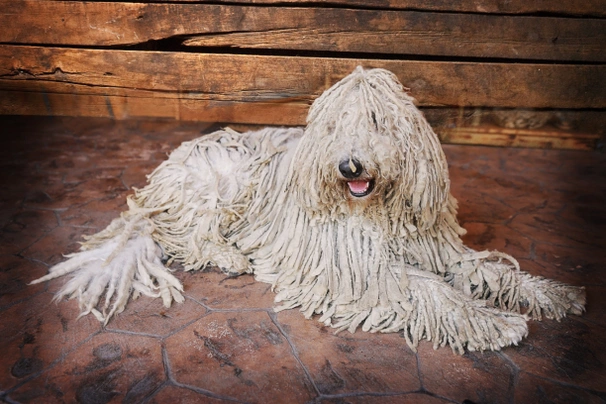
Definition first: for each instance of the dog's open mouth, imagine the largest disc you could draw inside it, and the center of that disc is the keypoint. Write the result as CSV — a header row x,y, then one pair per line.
x,y
360,188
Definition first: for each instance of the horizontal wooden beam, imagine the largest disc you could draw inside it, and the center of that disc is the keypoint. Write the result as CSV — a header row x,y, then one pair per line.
x,y
412,33
231,114
151,106
303,29
577,8
502,137
285,80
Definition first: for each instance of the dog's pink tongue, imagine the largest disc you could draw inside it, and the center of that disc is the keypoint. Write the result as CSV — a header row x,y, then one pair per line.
x,y
358,187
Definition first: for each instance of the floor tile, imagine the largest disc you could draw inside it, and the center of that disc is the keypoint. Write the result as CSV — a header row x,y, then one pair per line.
x,y
108,368
239,355
351,363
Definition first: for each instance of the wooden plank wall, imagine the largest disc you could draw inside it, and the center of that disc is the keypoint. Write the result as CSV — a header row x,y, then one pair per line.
x,y
264,61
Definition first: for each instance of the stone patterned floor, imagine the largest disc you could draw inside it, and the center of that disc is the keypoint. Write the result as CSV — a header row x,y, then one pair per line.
x,y
61,178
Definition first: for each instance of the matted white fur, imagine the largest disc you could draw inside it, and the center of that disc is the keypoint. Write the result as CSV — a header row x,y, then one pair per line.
x,y
350,219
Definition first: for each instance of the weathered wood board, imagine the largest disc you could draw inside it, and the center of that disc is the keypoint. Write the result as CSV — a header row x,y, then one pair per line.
x,y
547,7
304,29
282,79
541,138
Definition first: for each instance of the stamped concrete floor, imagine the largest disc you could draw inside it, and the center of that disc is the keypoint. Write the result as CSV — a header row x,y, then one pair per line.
x,y
62,178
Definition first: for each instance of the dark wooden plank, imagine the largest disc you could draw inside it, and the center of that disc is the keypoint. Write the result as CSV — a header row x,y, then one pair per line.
x,y
578,8
141,105
311,29
278,79
411,33
236,113
537,138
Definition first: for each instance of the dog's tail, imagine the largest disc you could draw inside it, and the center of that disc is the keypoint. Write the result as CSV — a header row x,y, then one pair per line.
x,y
122,261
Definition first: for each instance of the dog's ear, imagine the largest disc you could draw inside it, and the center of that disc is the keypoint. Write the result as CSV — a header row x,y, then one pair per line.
x,y
310,179
420,190
420,194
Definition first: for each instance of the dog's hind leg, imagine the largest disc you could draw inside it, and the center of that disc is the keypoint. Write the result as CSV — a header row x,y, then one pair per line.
x,y
230,260
496,277
119,262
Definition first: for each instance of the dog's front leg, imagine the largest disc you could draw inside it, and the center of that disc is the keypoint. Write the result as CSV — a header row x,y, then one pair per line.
x,y
447,316
496,277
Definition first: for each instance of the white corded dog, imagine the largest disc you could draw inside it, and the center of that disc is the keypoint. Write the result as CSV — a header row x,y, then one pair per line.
x,y
350,218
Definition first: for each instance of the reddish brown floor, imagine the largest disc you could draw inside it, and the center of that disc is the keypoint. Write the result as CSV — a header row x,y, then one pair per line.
x,y
62,178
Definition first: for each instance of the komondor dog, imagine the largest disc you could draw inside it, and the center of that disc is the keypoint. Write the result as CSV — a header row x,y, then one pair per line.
x,y
350,219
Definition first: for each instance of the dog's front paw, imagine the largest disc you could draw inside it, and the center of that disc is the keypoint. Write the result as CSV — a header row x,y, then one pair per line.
x,y
549,298
499,329
447,316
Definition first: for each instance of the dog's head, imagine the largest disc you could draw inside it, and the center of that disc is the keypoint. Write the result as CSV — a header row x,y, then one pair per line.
x,y
368,150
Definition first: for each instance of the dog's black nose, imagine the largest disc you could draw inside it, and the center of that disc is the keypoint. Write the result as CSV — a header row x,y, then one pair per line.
x,y
351,168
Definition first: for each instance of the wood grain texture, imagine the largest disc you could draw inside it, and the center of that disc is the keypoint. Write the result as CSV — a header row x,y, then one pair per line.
x,y
15,102
235,114
308,29
278,79
537,138
578,8
412,33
